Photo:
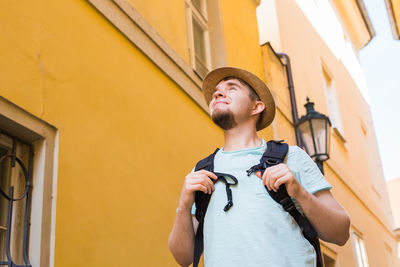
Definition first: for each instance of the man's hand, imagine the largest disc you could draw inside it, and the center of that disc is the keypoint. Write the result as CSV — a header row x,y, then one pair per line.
x,y
181,239
196,181
280,174
330,220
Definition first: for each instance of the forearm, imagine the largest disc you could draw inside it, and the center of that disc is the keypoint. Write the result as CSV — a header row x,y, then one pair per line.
x,y
329,219
181,239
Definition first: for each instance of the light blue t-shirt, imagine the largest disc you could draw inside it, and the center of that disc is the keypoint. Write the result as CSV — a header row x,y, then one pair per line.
x,y
256,231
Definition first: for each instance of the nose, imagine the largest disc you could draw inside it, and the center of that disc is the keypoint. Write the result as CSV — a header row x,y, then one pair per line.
x,y
218,93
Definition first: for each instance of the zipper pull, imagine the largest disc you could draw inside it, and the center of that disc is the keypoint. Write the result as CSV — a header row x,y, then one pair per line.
x,y
253,169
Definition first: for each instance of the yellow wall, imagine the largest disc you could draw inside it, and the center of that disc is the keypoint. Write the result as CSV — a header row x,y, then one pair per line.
x,y
241,35
395,5
168,18
393,187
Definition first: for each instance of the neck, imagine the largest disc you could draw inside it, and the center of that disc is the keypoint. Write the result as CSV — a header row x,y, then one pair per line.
x,y
241,137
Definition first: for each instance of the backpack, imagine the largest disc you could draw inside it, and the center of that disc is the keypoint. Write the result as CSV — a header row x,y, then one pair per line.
x,y
275,154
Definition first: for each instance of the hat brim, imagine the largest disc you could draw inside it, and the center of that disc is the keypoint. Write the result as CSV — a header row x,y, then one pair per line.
x,y
215,76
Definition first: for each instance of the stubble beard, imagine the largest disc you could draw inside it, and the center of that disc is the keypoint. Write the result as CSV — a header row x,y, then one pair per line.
x,y
224,119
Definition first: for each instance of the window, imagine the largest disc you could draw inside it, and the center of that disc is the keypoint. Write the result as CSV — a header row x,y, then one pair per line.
x,y
360,251
329,256
333,105
328,261
199,44
34,143
389,255
14,205
398,250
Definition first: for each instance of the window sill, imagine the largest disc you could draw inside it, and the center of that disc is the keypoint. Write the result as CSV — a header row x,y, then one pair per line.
x,y
376,191
339,135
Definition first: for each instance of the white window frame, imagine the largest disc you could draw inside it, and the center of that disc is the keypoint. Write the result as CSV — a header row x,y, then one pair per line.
x,y
398,250
332,102
328,252
202,19
360,251
44,138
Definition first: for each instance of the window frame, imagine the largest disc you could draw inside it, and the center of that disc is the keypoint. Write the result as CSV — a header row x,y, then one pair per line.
x,y
20,181
332,103
44,139
201,18
328,252
360,250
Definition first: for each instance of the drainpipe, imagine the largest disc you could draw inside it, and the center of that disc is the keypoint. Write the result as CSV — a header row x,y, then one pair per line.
x,y
289,76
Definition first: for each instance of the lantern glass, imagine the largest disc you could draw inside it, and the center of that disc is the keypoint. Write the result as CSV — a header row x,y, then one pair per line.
x,y
315,134
321,138
306,137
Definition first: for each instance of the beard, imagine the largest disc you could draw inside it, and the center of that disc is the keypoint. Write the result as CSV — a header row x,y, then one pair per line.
x,y
224,119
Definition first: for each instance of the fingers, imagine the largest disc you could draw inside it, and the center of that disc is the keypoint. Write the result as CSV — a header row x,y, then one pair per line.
x,y
275,176
200,181
209,174
279,182
199,187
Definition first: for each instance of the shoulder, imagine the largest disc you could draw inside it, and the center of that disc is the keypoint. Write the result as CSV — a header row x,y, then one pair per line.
x,y
207,161
295,149
296,152
298,158
306,171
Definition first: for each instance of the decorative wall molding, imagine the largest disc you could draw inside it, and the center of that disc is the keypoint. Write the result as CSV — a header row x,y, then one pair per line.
x,y
122,15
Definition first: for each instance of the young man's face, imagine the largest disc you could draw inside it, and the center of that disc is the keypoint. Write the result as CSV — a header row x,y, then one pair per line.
x,y
231,104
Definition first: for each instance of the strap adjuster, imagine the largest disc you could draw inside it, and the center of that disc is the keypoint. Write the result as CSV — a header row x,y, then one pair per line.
x,y
228,205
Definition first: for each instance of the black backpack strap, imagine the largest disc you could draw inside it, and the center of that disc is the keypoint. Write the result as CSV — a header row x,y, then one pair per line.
x,y
206,163
200,198
275,154
201,201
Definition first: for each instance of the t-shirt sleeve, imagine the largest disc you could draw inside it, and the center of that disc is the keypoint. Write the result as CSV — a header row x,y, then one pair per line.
x,y
194,209
194,204
306,170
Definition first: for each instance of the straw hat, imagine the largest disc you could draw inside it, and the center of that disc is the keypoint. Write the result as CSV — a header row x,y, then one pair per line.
x,y
215,76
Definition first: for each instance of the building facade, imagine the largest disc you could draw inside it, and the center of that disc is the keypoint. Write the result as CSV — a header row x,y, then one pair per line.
x,y
393,9
393,187
102,116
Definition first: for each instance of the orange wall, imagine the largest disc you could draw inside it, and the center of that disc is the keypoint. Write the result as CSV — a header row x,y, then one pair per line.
x,y
393,187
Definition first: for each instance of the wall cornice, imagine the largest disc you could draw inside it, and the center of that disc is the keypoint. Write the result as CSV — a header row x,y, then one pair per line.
x,y
395,25
123,16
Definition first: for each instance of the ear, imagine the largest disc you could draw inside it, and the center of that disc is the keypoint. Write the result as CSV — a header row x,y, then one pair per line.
x,y
259,107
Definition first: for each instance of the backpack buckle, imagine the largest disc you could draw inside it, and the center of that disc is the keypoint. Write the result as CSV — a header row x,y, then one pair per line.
x,y
228,205
272,161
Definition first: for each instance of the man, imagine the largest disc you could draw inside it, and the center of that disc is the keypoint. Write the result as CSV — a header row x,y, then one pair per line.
x,y
256,231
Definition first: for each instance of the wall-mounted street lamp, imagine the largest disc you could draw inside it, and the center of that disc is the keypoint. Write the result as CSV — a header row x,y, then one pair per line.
x,y
314,129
